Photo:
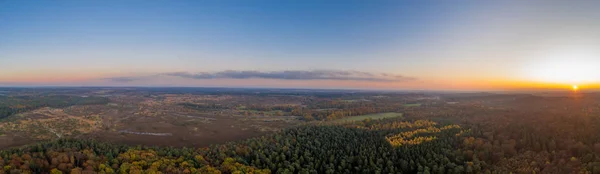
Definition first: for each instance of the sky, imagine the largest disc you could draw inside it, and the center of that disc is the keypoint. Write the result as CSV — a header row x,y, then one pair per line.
x,y
354,44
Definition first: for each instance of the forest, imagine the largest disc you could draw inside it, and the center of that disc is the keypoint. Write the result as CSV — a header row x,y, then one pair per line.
x,y
369,146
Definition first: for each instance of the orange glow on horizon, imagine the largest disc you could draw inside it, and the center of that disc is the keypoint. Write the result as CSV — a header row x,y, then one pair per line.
x,y
421,84
521,85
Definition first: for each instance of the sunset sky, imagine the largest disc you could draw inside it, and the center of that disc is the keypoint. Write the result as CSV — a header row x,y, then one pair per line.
x,y
458,45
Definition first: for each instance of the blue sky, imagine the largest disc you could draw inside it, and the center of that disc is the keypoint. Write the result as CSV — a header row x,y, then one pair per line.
x,y
68,42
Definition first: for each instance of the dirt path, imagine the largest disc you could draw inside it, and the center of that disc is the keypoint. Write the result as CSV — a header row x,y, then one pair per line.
x,y
52,130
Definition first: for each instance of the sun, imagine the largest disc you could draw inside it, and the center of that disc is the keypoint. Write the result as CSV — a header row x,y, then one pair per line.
x,y
575,87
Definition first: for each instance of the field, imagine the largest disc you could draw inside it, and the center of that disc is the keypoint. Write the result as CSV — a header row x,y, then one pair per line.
x,y
369,116
178,116
133,118
412,105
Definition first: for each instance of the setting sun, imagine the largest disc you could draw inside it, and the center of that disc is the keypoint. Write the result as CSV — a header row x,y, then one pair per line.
x,y
575,87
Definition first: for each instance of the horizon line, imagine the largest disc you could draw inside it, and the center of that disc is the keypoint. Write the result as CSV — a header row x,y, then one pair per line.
x,y
316,88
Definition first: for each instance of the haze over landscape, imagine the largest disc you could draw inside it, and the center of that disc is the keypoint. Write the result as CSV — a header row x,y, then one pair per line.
x,y
467,45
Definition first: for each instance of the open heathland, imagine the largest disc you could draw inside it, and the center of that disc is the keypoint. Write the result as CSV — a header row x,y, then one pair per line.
x,y
199,130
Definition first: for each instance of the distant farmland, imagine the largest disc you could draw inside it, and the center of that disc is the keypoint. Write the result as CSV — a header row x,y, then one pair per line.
x,y
371,116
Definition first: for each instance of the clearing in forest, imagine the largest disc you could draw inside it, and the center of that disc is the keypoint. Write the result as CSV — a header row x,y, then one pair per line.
x,y
371,116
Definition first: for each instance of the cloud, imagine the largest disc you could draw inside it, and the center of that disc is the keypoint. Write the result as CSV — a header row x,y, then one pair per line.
x,y
122,79
295,75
